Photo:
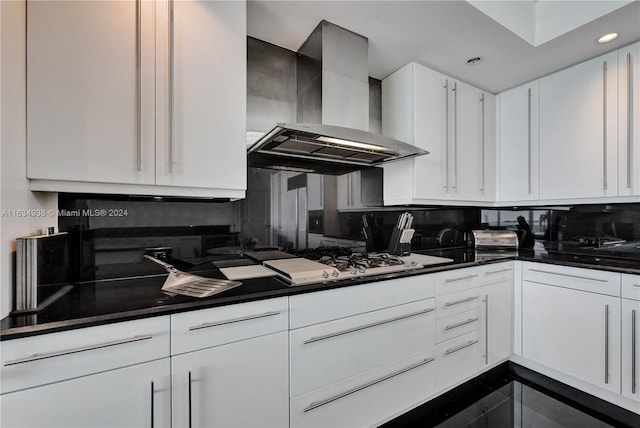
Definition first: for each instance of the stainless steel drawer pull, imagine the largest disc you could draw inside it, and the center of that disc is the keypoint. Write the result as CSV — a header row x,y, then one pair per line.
x,y
492,272
604,123
482,146
606,344
486,329
529,167
460,324
457,302
461,278
633,351
138,88
316,404
36,357
458,348
629,120
152,404
363,327
569,276
189,401
636,285
233,320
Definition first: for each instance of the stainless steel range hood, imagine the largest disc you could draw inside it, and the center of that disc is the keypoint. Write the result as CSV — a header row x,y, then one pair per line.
x,y
332,112
325,149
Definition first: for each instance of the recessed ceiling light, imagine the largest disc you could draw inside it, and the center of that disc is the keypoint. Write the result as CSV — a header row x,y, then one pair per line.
x,y
607,37
473,61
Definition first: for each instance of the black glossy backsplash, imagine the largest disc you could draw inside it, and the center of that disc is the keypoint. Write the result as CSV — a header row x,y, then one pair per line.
x,y
191,232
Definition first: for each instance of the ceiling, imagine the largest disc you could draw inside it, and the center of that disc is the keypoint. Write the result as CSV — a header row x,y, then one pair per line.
x,y
443,35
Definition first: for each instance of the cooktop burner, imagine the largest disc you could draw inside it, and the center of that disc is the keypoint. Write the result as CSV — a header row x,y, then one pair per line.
x,y
360,261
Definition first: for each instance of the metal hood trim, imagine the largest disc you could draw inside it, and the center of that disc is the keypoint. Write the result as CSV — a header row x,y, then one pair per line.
x,y
325,149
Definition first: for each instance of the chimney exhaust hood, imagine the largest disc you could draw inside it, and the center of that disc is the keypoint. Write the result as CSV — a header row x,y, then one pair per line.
x,y
325,149
330,134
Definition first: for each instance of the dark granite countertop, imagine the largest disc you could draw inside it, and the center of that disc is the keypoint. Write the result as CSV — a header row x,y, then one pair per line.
x,y
103,302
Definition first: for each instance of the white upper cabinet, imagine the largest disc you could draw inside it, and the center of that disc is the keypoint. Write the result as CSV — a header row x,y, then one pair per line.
x,y
137,97
629,120
204,103
450,119
89,107
518,143
579,131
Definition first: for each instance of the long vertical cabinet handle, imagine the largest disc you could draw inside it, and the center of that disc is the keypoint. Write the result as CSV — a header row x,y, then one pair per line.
x,y
152,403
529,140
138,85
604,122
455,135
171,84
633,351
446,134
629,119
482,144
486,329
189,401
606,344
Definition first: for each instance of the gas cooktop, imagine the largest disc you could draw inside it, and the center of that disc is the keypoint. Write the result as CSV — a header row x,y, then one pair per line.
x,y
341,266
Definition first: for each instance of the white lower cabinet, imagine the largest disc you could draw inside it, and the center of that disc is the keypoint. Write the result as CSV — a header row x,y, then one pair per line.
x,y
368,398
571,322
329,352
241,384
135,396
230,366
631,339
456,360
573,332
494,329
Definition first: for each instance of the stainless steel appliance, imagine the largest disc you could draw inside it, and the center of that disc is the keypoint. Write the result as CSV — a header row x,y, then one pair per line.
x,y
325,149
493,239
42,271
336,264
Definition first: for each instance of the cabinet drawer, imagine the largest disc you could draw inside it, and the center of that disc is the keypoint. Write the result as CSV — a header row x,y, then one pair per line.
x,y
455,303
457,280
195,330
312,308
456,360
54,357
329,352
591,280
456,325
369,398
496,272
631,286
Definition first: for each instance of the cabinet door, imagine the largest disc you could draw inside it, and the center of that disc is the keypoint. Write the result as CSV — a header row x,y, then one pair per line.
x,y
135,396
242,384
431,122
578,131
90,91
628,120
495,323
471,139
574,332
518,136
631,349
201,100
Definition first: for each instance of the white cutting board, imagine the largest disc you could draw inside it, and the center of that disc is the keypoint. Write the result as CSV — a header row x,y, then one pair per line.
x,y
246,272
426,260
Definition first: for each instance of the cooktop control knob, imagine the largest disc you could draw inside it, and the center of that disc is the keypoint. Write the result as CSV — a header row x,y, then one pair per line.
x,y
325,275
335,274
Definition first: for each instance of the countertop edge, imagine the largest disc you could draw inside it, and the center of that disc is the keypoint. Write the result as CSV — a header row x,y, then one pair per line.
x,y
65,325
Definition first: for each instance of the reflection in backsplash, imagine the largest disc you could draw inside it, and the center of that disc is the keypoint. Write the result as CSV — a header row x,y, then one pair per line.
x,y
189,232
